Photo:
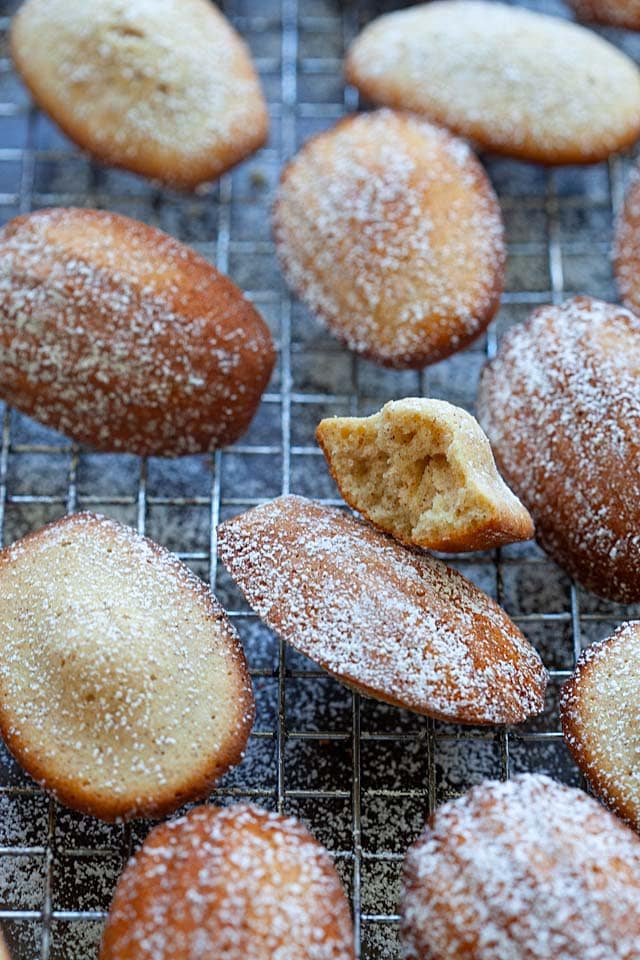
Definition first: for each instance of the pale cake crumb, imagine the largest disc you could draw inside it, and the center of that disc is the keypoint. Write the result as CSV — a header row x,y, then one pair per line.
x,y
423,471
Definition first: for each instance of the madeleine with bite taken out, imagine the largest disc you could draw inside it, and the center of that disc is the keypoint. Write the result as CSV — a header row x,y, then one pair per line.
x,y
422,470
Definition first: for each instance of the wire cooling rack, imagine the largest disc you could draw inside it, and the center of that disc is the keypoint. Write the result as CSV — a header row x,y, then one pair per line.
x,y
361,774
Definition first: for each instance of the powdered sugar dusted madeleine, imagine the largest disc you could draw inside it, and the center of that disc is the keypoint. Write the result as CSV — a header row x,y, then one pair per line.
x,y
599,711
393,623
524,870
236,883
561,406
627,246
514,81
422,470
123,338
165,88
388,228
123,686
616,13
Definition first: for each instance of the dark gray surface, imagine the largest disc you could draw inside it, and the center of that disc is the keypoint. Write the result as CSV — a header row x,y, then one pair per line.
x,y
361,774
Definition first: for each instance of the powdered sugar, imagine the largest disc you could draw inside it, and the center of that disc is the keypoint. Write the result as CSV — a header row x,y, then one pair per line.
x,y
561,406
523,870
163,87
238,883
123,684
121,337
600,713
379,616
389,230
513,80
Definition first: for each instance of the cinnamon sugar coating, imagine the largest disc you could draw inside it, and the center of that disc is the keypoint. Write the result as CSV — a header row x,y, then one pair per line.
x,y
560,404
123,338
388,228
237,883
165,88
524,870
391,622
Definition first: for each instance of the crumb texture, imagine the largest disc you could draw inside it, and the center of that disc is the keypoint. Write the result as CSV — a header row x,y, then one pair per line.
x,y
561,406
528,869
236,883
123,686
390,231
123,338
600,709
514,81
395,624
165,88
423,471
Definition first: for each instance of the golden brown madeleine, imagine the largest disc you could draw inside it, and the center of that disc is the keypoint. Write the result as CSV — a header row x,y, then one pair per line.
x,y
123,686
165,88
390,231
626,254
528,869
514,81
561,406
390,622
236,883
422,470
599,711
615,13
123,338
4,953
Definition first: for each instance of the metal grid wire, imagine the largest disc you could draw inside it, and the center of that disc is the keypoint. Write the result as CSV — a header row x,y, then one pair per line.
x,y
361,774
